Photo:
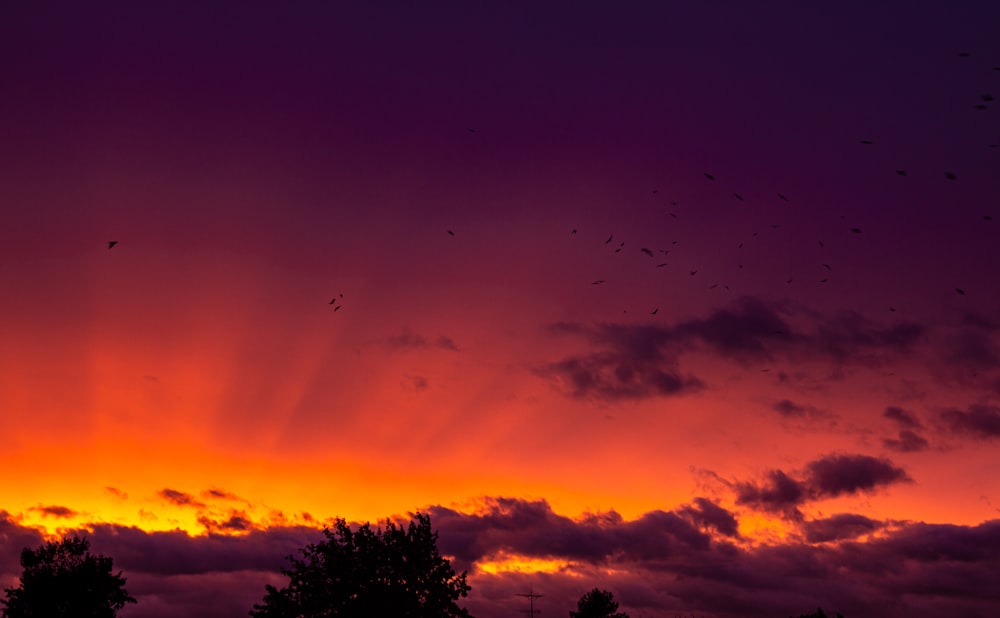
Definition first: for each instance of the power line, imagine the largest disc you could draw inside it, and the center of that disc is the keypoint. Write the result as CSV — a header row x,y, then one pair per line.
x,y
531,596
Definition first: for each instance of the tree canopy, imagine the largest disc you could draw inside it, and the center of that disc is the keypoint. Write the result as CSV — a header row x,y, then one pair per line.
x,y
597,604
62,579
390,571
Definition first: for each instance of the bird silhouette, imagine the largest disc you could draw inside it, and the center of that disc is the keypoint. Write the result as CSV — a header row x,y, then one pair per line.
x,y
694,272
598,282
112,243
866,141
950,175
573,232
709,176
783,197
960,291
451,233
856,230
646,251
827,266
654,311
609,239
901,172
738,196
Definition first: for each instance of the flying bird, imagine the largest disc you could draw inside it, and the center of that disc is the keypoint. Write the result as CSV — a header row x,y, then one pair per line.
x,y
901,172
609,239
827,266
661,264
112,243
709,176
450,233
646,251
820,243
783,197
598,282
987,218
337,308
694,272
738,196
654,311
950,175
856,230
960,291
986,97
964,54
866,141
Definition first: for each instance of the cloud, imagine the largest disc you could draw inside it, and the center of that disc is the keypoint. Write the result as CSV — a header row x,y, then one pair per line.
x,y
708,514
778,494
219,494
980,421
827,477
616,377
905,418
839,527
180,498
660,563
744,330
117,493
908,442
54,511
413,341
630,361
836,475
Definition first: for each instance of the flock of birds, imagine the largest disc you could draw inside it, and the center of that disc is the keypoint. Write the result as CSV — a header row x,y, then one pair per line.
x,y
984,100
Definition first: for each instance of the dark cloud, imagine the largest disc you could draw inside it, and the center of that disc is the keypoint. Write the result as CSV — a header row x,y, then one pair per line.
x,y
220,494
617,377
972,348
411,340
827,477
531,528
908,442
804,413
637,361
54,511
979,421
706,513
235,523
743,330
180,498
836,475
117,493
905,418
839,527
657,564
779,493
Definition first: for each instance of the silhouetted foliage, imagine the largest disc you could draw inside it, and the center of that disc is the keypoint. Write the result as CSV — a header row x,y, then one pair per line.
x,y
597,604
62,579
383,572
818,614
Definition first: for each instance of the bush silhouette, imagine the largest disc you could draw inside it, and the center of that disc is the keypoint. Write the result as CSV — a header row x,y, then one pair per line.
x,y
62,579
597,604
391,571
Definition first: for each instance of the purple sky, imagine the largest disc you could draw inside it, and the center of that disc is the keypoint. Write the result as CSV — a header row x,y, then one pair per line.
x,y
619,293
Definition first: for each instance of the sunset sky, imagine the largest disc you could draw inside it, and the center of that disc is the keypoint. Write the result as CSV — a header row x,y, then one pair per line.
x,y
698,302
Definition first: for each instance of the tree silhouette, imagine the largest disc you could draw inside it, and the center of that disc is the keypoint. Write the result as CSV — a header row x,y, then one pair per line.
x,y
62,579
597,604
383,572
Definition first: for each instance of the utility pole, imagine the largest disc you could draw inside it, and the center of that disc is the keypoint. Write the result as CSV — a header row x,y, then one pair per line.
x,y
531,595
